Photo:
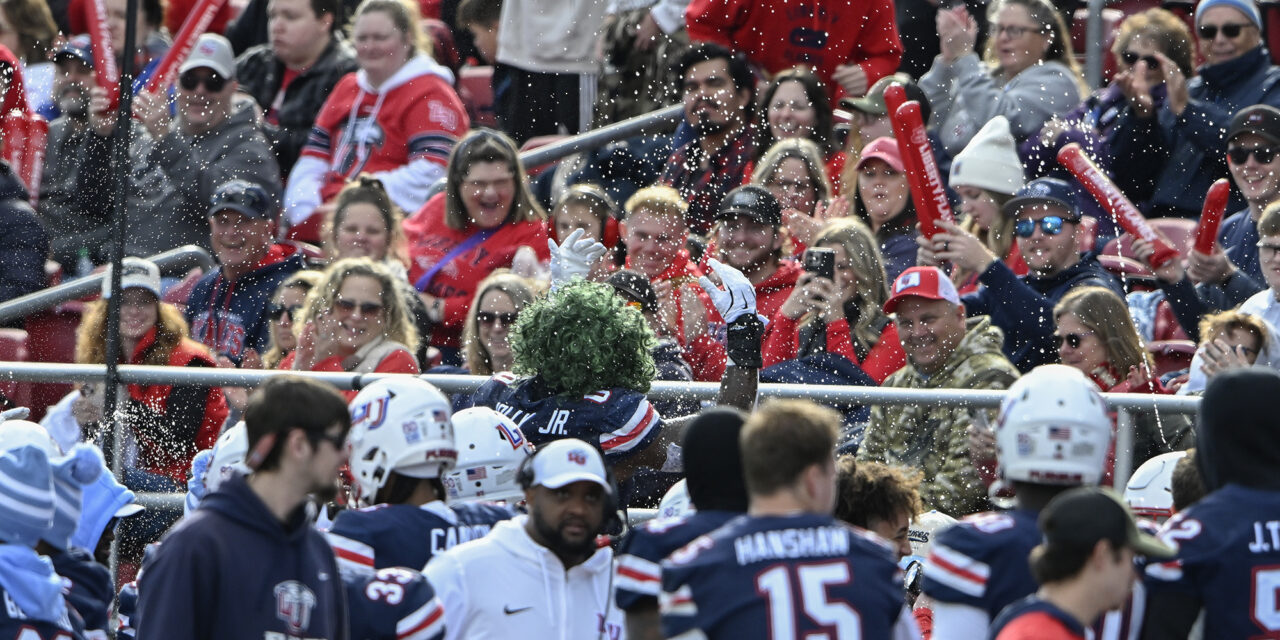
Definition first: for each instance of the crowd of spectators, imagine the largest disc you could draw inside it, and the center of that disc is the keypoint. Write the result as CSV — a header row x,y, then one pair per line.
x,y
368,209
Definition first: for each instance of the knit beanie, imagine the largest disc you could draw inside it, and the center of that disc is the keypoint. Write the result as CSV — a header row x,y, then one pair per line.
x,y
713,460
71,473
1247,7
26,495
990,161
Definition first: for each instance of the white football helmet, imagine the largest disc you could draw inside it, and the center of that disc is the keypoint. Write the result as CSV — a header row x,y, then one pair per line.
x,y
1150,489
229,454
490,450
1053,428
398,424
21,433
676,502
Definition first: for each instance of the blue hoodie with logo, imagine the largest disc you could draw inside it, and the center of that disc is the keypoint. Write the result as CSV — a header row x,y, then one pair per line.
x,y
230,316
232,570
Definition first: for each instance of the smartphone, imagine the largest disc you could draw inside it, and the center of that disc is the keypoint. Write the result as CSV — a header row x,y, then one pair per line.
x,y
821,262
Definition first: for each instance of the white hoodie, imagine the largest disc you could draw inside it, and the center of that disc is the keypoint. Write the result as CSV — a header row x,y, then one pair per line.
x,y
505,585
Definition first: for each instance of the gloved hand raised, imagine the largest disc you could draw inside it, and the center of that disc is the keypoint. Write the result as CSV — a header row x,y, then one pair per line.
x,y
573,257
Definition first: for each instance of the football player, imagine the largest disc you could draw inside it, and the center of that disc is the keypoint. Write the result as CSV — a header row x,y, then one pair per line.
x,y
490,450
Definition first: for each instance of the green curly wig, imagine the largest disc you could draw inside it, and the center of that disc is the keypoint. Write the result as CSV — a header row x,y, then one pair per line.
x,y
583,338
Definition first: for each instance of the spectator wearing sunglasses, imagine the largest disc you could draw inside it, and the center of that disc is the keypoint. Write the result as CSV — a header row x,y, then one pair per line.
x,y
356,321
227,309
1046,219
1173,148
285,307
498,302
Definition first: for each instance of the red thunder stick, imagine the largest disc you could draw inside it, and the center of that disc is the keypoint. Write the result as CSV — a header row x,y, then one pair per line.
x,y
33,159
105,73
14,125
894,96
197,22
927,190
1114,201
1215,204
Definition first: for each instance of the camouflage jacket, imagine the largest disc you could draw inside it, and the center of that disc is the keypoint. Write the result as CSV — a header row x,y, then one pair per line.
x,y
932,438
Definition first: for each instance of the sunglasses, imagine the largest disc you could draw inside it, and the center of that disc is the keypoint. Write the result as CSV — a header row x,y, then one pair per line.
x,y
338,440
277,311
1240,155
489,317
1231,31
212,82
366,308
1050,225
1072,340
1131,58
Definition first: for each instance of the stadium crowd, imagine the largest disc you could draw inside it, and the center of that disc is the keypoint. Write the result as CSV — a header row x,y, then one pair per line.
x,y
355,171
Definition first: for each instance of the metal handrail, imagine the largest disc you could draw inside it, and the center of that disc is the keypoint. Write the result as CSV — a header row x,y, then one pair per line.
x,y
173,261
142,374
1093,49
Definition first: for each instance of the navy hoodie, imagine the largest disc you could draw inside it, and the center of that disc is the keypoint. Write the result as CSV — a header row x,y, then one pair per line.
x,y
230,316
232,570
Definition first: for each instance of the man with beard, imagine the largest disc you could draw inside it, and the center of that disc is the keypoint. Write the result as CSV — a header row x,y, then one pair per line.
x,y
76,159
210,142
944,351
539,575
749,239
248,563
1046,220
718,90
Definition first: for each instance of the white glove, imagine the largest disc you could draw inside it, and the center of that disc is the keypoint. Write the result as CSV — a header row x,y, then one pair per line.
x,y
573,257
736,299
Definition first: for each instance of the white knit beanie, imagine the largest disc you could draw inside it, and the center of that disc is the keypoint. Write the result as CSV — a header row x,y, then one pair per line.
x,y
990,161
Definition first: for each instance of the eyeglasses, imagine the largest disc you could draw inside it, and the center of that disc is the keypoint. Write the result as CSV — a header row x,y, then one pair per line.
x,y
1131,58
1050,225
212,82
1013,31
277,311
1230,30
489,317
1240,155
366,308
1072,340
1267,251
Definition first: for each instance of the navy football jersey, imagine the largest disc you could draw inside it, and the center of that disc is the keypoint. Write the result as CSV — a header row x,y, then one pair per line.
x,y
402,535
1229,559
784,577
621,421
89,591
34,625
982,562
126,611
395,603
638,575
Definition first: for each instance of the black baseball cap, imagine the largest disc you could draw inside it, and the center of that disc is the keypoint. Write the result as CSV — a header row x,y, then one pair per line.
x,y
1050,191
634,288
243,197
1079,518
751,201
1259,119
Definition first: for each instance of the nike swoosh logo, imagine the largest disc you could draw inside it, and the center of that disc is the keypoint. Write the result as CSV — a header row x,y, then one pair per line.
x,y
508,610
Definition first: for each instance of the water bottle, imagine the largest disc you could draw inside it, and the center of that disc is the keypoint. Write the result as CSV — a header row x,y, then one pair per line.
x,y
84,266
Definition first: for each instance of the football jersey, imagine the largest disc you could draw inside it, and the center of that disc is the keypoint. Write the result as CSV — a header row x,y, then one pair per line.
x,y
89,592
790,575
981,562
403,535
394,604
1229,559
620,420
21,625
126,611
1032,618
638,574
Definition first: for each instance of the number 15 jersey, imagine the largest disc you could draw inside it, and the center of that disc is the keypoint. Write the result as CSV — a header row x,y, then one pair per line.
x,y
784,577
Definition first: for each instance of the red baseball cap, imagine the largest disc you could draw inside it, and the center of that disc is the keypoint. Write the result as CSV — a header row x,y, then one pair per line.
x,y
882,149
923,282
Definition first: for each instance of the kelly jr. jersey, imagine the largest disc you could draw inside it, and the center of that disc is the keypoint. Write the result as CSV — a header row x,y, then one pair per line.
x,y
401,535
621,421
981,562
1228,559
783,578
396,603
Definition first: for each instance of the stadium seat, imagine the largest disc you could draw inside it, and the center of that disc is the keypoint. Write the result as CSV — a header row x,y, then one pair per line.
x,y
177,294
1171,355
51,337
13,348
1181,232
475,87
534,143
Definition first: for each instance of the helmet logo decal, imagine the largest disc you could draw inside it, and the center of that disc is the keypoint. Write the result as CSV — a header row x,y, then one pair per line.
x,y
374,412
514,438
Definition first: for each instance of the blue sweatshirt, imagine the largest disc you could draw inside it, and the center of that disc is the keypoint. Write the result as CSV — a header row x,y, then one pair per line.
x,y
232,570
230,316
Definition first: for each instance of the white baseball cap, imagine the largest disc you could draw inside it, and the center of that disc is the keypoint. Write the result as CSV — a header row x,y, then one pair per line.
x,y
212,51
564,462
134,273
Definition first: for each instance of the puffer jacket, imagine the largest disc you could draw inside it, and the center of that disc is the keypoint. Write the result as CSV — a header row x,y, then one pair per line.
x,y
933,438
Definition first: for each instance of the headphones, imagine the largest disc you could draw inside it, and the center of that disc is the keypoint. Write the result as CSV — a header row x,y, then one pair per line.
x,y
611,234
612,525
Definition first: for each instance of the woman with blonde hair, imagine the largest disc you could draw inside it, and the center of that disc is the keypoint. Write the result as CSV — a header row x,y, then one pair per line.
x,y
844,315
355,321
794,172
486,349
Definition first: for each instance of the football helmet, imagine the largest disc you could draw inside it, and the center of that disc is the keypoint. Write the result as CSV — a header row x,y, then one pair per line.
x,y
1053,429
229,454
676,502
1150,489
490,450
398,424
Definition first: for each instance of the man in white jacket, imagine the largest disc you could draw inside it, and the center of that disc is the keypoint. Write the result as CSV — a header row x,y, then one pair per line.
x,y
540,575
